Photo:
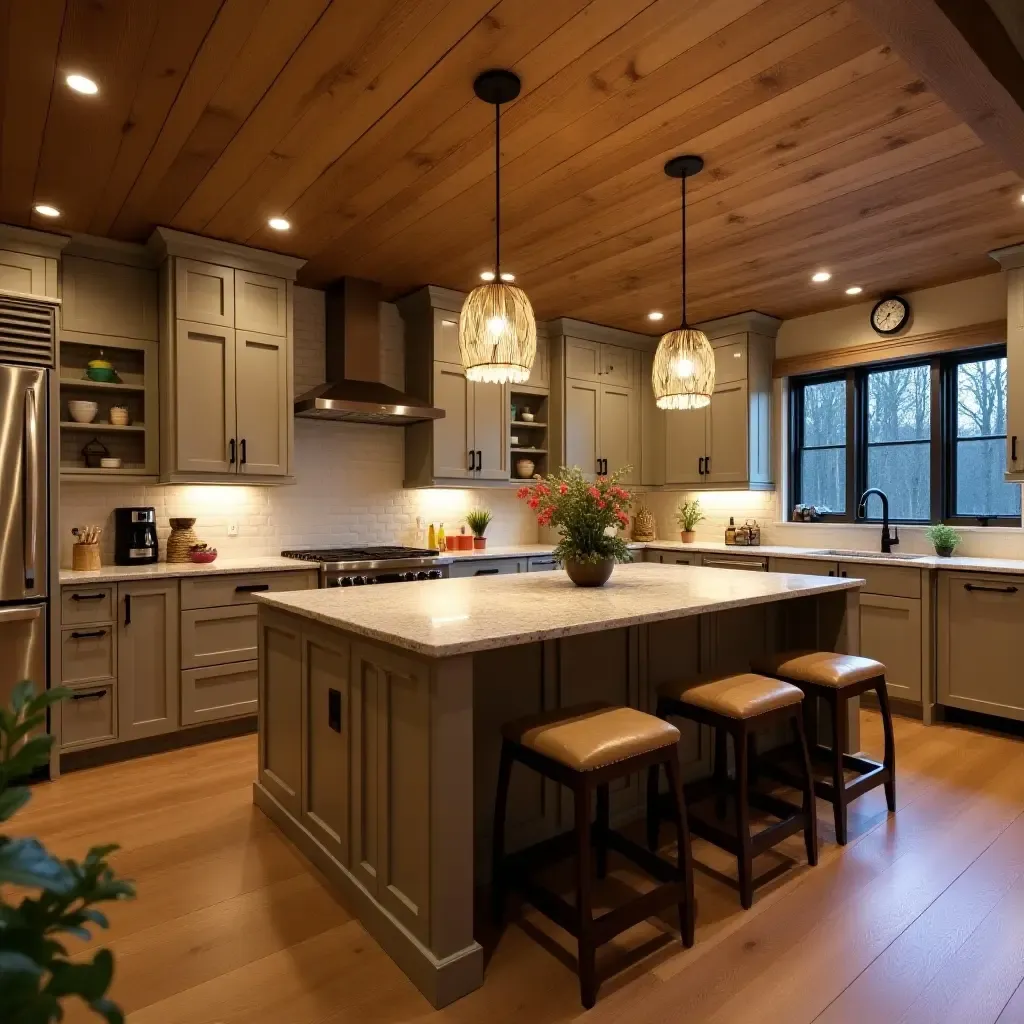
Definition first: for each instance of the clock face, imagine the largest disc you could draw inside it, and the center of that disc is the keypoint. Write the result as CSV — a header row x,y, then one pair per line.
x,y
890,315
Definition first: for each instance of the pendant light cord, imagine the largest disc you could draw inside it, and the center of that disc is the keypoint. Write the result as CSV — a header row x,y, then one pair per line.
x,y
497,192
682,250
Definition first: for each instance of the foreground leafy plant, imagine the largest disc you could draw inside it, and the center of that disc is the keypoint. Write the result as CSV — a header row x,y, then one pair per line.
x,y
36,974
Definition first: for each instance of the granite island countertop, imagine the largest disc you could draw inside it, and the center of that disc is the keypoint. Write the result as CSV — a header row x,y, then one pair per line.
x,y
444,618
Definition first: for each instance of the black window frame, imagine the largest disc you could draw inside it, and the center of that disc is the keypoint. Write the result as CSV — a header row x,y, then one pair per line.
x,y
942,444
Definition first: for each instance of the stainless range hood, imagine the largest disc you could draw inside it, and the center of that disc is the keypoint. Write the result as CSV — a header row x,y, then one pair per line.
x,y
353,392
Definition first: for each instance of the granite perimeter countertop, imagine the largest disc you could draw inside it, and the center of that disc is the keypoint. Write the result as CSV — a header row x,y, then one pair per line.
x,y
164,570
444,618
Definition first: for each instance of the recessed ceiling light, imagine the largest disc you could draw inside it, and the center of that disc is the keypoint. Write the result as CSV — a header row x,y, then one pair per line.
x,y
855,290
45,210
655,315
82,84
279,223
505,276
487,275
821,276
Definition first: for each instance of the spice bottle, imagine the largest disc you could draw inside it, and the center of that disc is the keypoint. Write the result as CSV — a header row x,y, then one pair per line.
x,y
431,538
730,531
441,542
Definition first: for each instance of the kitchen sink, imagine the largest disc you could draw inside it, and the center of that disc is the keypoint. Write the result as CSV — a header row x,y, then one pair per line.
x,y
882,556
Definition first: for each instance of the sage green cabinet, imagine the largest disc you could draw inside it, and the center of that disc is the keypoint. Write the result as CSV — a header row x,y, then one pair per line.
x,y
262,404
205,409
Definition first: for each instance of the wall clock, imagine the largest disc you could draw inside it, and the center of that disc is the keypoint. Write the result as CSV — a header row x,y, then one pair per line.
x,y
890,314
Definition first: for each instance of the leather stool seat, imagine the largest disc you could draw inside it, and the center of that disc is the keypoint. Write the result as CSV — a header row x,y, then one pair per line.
x,y
820,668
741,696
591,736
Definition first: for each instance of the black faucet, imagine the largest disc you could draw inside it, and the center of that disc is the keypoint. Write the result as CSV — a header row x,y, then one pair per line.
x,y
889,540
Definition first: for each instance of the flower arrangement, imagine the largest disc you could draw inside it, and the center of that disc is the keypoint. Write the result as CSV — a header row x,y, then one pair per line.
x,y
588,516
689,514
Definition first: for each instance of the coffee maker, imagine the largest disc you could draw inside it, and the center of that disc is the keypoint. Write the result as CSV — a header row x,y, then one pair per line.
x,y
135,540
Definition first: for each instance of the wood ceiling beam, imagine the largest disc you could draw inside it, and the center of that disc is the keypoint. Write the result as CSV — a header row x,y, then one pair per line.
x,y
964,52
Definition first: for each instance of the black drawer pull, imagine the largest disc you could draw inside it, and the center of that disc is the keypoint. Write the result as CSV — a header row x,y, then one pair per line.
x,y
334,710
91,633
127,609
91,695
991,590
487,572
88,597
251,588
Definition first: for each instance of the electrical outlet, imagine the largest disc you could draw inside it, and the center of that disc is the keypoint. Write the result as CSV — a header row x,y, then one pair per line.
x,y
232,529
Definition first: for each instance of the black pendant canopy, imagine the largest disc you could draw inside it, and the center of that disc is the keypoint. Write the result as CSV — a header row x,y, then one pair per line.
x,y
684,166
497,86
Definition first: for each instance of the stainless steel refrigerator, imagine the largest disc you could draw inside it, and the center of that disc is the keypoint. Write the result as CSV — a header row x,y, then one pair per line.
x,y
24,532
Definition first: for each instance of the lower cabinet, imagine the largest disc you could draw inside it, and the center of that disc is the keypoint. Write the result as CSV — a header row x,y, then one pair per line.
x,y
890,632
671,557
89,717
222,691
979,626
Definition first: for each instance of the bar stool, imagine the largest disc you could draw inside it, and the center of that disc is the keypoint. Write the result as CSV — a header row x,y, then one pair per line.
x,y
836,678
739,706
585,748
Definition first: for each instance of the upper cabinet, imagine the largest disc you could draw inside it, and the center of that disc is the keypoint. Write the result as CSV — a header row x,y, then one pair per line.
x,y
1011,259
226,360
105,297
29,260
727,444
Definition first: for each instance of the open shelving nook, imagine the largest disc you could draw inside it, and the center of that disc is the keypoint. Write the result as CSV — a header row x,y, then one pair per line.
x,y
528,438
137,442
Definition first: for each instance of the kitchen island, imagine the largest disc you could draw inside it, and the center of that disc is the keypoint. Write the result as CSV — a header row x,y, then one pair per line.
x,y
380,711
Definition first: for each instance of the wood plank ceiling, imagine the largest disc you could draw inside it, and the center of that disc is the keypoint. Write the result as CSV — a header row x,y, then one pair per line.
x,y
357,122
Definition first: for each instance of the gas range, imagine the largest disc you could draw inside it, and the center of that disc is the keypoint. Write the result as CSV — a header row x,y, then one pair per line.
x,y
356,567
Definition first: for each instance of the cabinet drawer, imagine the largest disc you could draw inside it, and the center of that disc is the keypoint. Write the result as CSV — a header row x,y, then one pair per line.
x,y
87,653
218,591
802,566
735,562
218,636
542,564
87,717
86,604
890,580
487,567
225,691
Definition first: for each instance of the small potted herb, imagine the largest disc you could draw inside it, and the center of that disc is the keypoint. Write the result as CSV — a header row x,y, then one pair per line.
x,y
688,515
478,519
945,539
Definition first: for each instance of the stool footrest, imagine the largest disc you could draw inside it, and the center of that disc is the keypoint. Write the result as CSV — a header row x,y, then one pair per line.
x,y
654,865
638,909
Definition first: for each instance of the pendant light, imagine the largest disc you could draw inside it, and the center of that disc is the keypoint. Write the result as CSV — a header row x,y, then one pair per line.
x,y
497,329
684,364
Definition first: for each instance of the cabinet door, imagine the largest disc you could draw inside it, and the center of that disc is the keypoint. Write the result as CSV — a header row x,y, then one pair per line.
x,y
979,632
453,435
890,632
280,709
727,436
205,398
20,272
582,425
540,374
261,303
490,431
147,658
685,445
582,359
108,298
616,365
619,444
204,292
731,360
1015,372
263,404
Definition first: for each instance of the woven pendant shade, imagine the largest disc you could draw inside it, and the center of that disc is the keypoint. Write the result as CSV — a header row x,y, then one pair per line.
x,y
497,334
684,370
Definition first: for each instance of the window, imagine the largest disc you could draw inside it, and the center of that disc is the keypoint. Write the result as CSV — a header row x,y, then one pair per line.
x,y
931,434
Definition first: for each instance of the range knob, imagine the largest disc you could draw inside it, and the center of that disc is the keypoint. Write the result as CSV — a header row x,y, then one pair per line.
x,y
434,574
421,575
345,581
358,581
407,577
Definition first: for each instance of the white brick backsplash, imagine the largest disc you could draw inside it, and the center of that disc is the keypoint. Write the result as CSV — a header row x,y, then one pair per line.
x,y
348,486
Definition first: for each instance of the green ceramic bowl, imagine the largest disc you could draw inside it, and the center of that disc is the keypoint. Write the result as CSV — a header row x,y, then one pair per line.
x,y
105,374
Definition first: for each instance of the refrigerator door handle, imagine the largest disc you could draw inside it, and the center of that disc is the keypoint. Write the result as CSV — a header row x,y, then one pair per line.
x,y
20,614
31,538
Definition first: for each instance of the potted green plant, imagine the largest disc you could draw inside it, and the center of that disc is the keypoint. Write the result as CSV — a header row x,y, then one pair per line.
x,y
944,538
36,973
588,517
478,519
688,515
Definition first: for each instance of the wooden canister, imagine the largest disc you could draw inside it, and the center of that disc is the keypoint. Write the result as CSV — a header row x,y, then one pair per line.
x,y
85,557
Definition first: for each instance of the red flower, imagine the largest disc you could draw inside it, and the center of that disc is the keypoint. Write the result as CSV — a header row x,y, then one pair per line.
x,y
522,492
542,489
544,519
601,504
622,517
594,492
533,502
563,489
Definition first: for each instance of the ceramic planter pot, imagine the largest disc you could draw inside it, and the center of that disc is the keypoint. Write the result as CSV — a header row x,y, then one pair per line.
x,y
479,543
590,574
687,536
944,552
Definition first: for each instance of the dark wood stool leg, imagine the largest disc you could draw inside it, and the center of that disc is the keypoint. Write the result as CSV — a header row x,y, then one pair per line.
x,y
745,859
889,757
498,842
838,714
601,831
752,757
684,854
811,824
721,770
586,957
653,809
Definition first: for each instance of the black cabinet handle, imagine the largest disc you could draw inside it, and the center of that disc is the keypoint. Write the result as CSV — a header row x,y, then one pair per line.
x,y
231,446
707,465
472,460
127,609
88,633
990,590
334,710
831,572
251,588
88,597
242,459
487,572
700,466
479,459
1013,448
91,695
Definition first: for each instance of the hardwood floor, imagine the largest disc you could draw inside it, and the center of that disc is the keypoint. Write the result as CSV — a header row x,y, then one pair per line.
x,y
919,919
